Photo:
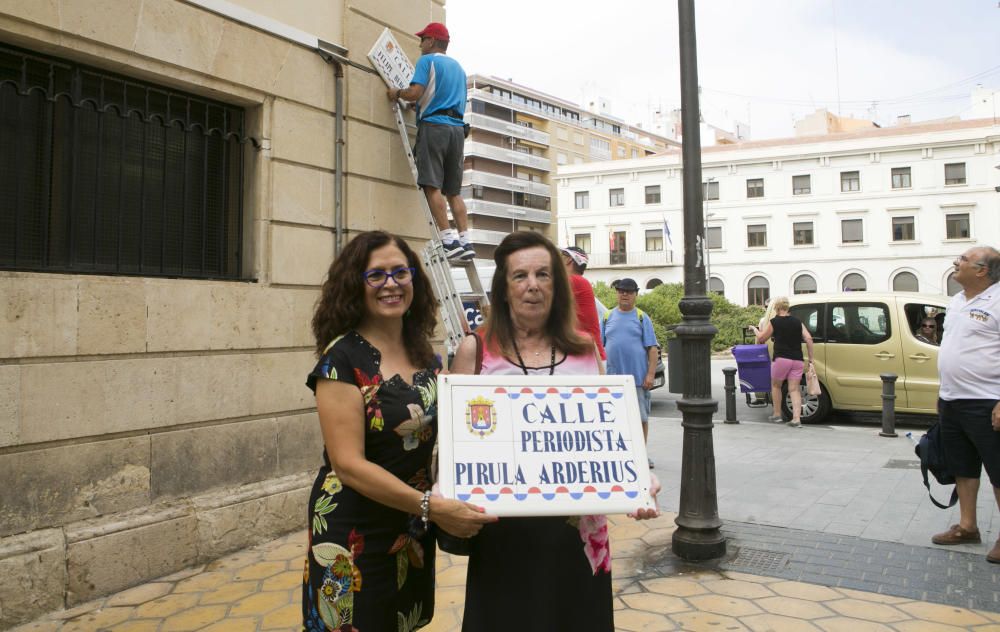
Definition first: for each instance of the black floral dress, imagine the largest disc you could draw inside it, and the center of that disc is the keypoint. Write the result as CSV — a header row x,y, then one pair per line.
x,y
364,572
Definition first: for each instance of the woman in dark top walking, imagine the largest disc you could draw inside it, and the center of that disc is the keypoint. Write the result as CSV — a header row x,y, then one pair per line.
x,y
789,333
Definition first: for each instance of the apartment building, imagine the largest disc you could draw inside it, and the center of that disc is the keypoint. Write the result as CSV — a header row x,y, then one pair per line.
x,y
872,209
519,138
175,176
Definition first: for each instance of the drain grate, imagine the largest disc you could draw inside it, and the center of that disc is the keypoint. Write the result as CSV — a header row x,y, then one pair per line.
x,y
760,560
902,464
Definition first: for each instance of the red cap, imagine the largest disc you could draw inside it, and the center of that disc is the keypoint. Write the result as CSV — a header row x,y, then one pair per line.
x,y
436,30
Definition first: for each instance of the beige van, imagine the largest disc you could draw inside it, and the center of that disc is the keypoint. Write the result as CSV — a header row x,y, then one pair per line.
x,y
858,336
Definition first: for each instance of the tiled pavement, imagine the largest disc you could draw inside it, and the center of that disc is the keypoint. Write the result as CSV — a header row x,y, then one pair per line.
x,y
258,589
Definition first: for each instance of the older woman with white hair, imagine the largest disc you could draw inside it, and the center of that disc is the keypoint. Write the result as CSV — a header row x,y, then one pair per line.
x,y
787,363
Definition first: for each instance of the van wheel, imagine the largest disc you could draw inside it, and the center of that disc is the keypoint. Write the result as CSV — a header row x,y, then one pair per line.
x,y
815,408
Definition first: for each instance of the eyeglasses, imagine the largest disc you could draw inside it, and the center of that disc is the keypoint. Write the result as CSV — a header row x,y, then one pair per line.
x,y
378,278
979,264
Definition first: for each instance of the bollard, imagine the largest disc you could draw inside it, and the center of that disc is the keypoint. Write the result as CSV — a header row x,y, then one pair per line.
x,y
888,405
730,373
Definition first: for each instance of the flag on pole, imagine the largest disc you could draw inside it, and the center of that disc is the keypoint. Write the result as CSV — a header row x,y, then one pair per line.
x,y
666,230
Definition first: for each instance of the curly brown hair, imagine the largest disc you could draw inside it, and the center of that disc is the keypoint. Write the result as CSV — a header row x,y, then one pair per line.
x,y
341,304
561,326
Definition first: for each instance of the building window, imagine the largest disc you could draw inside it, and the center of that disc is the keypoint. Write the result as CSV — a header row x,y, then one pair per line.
x,y
758,291
652,284
756,236
804,284
619,253
621,151
755,188
635,152
957,226
581,200
561,133
903,228
850,181
616,197
854,282
710,190
954,287
802,233
801,185
901,178
653,194
716,286
107,174
577,138
954,173
582,241
600,148
561,158
654,240
713,235
905,282
851,231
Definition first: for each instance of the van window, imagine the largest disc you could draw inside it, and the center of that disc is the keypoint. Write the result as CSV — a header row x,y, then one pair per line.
x,y
859,323
811,315
918,313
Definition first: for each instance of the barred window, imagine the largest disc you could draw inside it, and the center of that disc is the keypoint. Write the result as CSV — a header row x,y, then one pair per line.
x,y
107,174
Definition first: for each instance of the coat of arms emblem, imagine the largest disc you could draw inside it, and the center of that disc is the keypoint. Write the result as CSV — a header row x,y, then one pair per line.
x,y
480,416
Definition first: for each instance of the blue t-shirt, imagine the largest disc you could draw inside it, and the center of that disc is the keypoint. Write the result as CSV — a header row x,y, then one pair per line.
x,y
626,340
444,88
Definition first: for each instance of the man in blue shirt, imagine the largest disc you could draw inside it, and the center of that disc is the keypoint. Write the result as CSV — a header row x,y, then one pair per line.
x,y
438,88
629,340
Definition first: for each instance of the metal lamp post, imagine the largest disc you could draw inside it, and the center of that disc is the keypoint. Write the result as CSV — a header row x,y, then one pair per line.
x,y
698,535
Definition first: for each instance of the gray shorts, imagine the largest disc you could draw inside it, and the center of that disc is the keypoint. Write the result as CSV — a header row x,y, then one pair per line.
x,y
440,154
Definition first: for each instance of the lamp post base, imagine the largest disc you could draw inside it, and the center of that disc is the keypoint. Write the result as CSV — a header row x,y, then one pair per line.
x,y
697,545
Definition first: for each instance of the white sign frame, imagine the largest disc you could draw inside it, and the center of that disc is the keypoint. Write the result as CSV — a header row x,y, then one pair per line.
x,y
388,58
602,404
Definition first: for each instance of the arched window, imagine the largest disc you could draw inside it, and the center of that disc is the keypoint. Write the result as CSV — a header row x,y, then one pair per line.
x,y
854,282
716,285
652,283
905,282
953,286
758,291
804,284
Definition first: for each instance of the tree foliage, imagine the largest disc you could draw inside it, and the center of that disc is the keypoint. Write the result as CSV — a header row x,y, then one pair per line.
x,y
663,307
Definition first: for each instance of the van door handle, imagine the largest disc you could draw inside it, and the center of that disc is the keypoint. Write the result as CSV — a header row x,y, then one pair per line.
x,y
920,357
885,355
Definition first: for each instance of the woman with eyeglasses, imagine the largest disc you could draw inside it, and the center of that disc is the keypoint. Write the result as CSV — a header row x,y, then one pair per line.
x,y
370,562
927,331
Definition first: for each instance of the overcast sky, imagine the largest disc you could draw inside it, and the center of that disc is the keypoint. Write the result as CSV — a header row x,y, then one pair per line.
x,y
764,61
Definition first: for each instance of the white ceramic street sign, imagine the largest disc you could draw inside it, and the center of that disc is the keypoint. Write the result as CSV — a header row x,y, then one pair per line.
x,y
390,61
542,445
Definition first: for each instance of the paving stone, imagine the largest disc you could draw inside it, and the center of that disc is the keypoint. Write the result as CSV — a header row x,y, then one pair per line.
x,y
799,590
247,624
454,576
193,619
697,621
867,610
142,625
166,606
260,603
674,587
942,614
652,602
641,621
847,624
927,626
287,617
283,581
261,570
721,604
204,581
229,593
737,588
869,596
97,619
773,623
140,594
792,607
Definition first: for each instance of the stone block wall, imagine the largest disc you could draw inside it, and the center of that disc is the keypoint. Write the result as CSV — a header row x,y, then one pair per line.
x,y
147,424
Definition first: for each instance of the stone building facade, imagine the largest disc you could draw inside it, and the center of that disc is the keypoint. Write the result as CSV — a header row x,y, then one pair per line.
x,y
154,344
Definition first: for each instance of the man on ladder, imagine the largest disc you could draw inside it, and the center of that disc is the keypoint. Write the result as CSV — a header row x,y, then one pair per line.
x,y
438,88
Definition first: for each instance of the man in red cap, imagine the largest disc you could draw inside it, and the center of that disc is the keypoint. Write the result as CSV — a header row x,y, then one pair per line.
x,y
438,88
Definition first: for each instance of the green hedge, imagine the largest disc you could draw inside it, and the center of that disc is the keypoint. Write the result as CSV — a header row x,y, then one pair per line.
x,y
663,307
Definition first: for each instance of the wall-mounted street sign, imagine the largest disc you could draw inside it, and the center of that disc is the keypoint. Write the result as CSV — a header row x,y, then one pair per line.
x,y
390,61
542,445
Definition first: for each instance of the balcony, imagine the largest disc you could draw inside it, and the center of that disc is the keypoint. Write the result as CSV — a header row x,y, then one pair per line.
x,y
633,259
483,95
506,183
472,148
491,237
508,211
490,124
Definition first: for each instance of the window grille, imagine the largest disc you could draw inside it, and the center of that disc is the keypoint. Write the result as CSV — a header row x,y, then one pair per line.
x,y
101,173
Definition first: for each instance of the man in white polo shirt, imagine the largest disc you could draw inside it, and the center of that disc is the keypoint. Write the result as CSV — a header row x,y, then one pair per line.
x,y
969,404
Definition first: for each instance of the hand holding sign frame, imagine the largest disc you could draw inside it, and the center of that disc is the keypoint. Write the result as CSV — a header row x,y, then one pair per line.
x,y
542,445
